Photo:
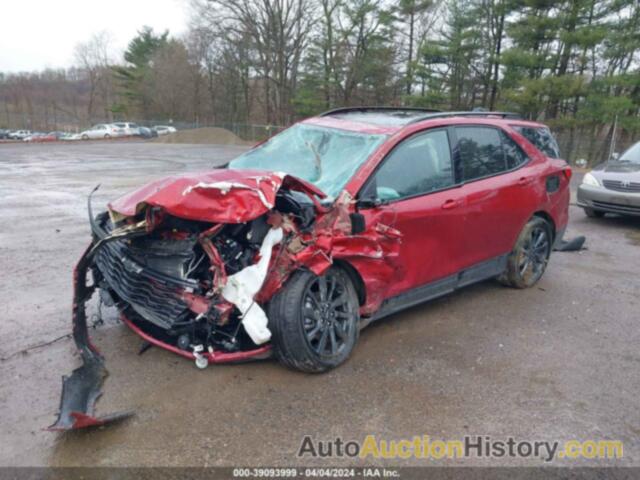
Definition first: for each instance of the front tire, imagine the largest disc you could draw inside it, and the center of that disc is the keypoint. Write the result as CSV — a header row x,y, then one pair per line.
x,y
528,260
314,320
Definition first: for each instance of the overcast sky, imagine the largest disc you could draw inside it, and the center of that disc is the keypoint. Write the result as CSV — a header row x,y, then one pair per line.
x,y
35,34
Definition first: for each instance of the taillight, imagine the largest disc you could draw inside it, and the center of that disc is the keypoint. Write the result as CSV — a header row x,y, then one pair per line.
x,y
567,172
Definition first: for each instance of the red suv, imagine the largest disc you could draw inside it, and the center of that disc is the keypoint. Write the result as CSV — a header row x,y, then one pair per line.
x,y
299,243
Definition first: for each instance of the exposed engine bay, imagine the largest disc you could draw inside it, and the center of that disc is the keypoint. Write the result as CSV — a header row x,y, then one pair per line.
x,y
176,281
191,261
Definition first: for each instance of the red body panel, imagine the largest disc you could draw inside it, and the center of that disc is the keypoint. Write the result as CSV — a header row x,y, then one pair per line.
x,y
486,219
432,238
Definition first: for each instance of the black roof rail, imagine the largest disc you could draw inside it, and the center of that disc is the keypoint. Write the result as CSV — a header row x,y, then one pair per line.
x,y
378,109
429,116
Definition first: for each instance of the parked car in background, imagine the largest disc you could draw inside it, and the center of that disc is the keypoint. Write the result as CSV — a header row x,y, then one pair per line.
x,y
127,129
19,134
144,132
33,136
613,186
103,130
164,129
62,135
47,137
4,134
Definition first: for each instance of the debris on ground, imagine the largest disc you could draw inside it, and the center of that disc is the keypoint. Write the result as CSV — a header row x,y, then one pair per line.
x,y
573,245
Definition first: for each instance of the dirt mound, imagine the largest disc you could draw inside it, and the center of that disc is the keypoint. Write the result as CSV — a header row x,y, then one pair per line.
x,y
206,135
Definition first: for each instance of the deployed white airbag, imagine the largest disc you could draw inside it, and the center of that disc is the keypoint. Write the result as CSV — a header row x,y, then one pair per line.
x,y
242,287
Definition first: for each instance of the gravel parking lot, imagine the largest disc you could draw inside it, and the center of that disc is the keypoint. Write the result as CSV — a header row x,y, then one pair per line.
x,y
556,362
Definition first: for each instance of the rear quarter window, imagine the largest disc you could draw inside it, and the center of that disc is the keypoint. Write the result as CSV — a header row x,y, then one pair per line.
x,y
512,151
481,152
541,138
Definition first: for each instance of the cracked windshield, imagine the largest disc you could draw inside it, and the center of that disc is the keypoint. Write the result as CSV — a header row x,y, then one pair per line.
x,y
326,157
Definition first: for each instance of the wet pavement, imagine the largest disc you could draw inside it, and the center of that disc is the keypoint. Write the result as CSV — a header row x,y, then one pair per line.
x,y
559,361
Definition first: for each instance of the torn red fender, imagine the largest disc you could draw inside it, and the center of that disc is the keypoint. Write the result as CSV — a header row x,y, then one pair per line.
x,y
218,196
373,254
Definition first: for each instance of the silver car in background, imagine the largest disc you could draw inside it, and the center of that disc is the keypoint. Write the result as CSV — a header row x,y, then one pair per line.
x,y
164,129
127,129
102,130
613,186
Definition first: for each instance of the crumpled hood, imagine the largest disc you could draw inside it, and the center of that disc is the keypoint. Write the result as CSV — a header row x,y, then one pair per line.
x,y
217,196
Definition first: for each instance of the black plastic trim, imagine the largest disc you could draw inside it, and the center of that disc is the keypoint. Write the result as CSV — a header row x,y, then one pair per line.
x,y
476,273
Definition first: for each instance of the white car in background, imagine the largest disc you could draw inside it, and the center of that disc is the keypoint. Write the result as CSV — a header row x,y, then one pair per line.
x,y
164,129
102,130
20,134
128,129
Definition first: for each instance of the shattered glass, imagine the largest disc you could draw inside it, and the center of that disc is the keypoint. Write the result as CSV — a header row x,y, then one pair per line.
x,y
325,157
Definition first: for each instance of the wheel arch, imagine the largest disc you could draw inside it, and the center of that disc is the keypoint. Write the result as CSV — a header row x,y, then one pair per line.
x,y
545,216
355,277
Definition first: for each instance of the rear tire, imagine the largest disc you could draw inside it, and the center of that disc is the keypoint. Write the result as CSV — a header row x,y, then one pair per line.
x,y
528,260
591,213
107,136
85,137
314,320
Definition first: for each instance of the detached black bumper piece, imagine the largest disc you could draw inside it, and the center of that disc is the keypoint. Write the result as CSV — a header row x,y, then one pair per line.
x,y
81,390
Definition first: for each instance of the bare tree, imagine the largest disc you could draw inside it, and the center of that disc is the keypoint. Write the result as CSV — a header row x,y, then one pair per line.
x,y
278,33
169,82
94,58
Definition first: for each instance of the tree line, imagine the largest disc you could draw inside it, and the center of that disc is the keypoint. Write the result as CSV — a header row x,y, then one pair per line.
x,y
570,63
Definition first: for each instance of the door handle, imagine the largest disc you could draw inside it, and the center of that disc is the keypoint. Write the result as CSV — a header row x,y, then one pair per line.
x,y
451,203
524,181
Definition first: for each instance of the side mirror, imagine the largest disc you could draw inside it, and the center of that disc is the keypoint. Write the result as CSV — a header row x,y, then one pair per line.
x,y
369,202
615,156
368,197
358,224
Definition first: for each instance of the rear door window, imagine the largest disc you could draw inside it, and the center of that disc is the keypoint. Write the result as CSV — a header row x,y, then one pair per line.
x,y
541,138
480,152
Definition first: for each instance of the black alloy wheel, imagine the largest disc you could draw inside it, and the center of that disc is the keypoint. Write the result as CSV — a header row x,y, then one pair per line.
x,y
314,320
534,254
528,260
327,312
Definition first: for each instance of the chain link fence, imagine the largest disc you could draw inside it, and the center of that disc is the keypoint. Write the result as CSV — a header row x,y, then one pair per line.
x,y
592,147
587,145
245,131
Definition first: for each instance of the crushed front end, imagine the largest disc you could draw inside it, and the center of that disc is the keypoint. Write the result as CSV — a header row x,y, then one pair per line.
x,y
170,284
190,262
